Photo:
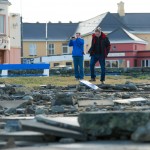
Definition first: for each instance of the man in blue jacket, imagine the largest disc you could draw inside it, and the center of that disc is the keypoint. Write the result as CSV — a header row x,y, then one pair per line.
x,y
77,53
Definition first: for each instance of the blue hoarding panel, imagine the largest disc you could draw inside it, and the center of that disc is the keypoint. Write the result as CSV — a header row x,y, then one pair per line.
x,y
24,66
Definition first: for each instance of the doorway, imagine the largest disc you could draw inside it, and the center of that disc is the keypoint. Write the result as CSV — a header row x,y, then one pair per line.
x,y
1,57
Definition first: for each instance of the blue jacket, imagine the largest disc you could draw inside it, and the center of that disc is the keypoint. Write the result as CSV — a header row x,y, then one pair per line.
x,y
78,47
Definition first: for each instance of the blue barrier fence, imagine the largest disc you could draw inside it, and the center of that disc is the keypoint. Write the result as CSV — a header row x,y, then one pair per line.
x,y
6,67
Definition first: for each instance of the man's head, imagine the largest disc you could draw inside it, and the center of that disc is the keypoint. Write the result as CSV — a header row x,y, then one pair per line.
x,y
78,35
98,32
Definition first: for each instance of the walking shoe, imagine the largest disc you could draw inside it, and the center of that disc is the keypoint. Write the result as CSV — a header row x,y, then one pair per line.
x,y
77,79
92,80
102,82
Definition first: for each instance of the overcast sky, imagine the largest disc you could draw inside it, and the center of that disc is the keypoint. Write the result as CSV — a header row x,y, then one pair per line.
x,y
71,10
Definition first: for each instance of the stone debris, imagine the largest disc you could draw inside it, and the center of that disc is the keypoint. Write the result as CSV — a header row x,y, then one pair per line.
x,y
114,124
131,101
73,113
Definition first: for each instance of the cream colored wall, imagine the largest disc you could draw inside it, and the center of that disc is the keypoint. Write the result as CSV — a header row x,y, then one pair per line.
x,y
58,47
87,41
5,11
145,37
15,31
41,48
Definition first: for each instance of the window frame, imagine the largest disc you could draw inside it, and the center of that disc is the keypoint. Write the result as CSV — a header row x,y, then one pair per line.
x,y
35,50
66,45
53,49
4,24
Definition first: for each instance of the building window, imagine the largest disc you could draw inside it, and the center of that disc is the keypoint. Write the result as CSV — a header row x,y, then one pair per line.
x,y
51,49
135,63
145,63
56,64
86,64
135,47
114,47
69,64
2,31
32,49
65,48
112,64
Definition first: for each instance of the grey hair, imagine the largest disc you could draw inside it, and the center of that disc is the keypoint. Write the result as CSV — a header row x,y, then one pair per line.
x,y
98,29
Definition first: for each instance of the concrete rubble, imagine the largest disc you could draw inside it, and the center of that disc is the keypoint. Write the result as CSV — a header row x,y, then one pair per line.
x,y
75,113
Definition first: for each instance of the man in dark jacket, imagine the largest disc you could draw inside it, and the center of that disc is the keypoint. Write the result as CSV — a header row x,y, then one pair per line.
x,y
77,53
99,50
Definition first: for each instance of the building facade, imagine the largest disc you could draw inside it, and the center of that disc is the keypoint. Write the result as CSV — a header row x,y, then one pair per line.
x,y
10,35
129,37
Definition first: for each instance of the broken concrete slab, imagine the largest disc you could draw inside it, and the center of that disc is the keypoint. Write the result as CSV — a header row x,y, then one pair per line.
x,y
33,125
63,122
62,98
12,104
112,123
22,136
83,103
94,145
142,134
89,84
131,101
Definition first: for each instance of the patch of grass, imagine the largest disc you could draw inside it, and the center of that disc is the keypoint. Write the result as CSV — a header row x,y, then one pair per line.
x,y
64,81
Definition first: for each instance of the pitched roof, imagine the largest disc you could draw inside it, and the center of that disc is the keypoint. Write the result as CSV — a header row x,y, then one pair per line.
x,y
139,22
121,35
106,21
60,31
32,31
88,26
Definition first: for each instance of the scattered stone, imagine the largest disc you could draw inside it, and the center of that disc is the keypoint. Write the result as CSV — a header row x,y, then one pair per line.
x,y
66,140
40,111
28,97
126,96
57,109
63,99
20,110
114,123
10,111
142,134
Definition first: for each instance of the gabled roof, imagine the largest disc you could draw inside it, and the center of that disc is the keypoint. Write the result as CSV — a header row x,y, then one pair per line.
x,y
32,31
121,35
106,21
88,26
110,23
60,31
139,22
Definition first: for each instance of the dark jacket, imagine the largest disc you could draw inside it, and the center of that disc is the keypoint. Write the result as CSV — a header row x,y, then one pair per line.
x,y
78,46
105,45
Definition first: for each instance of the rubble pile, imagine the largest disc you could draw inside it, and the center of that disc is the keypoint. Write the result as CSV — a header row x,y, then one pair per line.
x,y
74,113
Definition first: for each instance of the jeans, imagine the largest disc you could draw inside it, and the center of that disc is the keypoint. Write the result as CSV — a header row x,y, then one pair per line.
x,y
78,67
93,61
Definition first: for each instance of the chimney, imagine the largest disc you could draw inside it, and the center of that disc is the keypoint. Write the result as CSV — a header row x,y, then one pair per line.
x,y
121,11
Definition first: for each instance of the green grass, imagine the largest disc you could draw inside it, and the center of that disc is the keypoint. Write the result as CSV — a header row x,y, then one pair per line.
x,y
64,81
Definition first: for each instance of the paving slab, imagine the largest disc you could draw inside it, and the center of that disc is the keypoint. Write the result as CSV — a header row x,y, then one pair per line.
x,y
83,103
130,101
99,145
63,122
12,103
22,136
33,125
114,124
89,84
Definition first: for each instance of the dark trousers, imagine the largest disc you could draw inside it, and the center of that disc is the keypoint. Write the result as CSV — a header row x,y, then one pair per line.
x,y
78,67
93,61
